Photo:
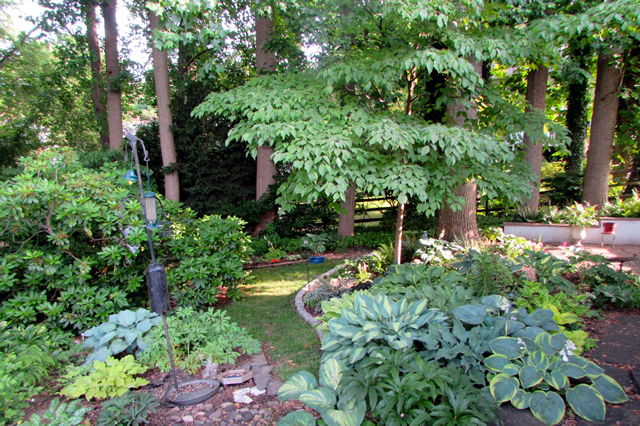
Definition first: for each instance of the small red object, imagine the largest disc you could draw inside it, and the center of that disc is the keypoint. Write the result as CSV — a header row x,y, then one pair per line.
x,y
275,260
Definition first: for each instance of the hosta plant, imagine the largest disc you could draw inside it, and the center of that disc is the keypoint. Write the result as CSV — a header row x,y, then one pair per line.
x,y
541,373
108,379
375,324
124,332
60,414
304,387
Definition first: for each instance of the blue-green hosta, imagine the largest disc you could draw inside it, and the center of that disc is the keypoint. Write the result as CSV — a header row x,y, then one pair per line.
x,y
304,387
125,331
536,374
375,324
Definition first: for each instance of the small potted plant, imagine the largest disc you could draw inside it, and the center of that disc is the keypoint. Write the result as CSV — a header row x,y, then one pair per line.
x,y
579,217
316,243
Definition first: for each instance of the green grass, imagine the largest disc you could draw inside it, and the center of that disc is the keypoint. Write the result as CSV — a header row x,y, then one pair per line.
x,y
267,311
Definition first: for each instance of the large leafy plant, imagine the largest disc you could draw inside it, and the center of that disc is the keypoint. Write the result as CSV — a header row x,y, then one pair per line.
x,y
537,374
130,409
304,387
197,337
124,332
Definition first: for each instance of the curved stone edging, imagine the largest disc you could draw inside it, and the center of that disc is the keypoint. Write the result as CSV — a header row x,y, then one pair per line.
x,y
300,304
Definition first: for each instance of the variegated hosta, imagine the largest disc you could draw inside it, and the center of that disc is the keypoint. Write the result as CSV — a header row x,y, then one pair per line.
x,y
535,374
374,325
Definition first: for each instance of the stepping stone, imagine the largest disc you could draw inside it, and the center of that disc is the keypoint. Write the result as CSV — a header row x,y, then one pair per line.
x,y
620,343
618,374
273,387
511,416
261,380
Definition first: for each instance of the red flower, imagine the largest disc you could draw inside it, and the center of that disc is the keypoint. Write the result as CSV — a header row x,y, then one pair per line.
x,y
275,260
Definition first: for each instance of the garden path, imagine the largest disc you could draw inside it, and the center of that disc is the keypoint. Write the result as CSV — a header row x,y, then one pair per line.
x,y
617,252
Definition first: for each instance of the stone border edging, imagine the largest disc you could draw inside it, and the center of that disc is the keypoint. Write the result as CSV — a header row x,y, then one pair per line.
x,y
300,304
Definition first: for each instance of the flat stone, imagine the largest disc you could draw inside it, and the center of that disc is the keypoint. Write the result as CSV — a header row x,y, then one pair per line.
x,y
273,404
267,369
216,415
513,417
200,414
175,419
273,387
246,416
227,406
257,418
635,377
259,359
187,419
207,407
261,380
620,342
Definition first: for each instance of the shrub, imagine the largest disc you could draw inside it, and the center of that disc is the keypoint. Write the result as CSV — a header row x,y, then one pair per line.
x,y
487,273
629,207
196,337
64,259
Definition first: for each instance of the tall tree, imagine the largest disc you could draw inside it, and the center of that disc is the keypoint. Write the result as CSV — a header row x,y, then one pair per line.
x,y
97,97
536,99
603,125
578,101
461,223
114,94
266,169
165,118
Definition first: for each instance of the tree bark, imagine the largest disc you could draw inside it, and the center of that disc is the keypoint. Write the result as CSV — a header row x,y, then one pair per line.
x,y
536,98
97,96
603,125
397,247
346,219
114,105
577,105
462,223
165,119
266,169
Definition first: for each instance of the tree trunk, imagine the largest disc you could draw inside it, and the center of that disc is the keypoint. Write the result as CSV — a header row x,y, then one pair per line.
x,y
266,169
97,96
346,219
536,98
397,248
114,105
463,222
577,105
603,125
165,119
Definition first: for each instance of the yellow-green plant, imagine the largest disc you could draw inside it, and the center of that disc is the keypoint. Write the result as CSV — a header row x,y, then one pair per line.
x,y
108,379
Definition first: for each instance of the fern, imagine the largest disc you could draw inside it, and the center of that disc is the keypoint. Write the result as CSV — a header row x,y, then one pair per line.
x,y
60,415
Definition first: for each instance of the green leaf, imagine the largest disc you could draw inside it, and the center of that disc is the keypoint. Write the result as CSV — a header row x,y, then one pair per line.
x,y
117,346
521,400
610,390
330,373
557,379
530,376
503,387
321,399
126,318
496,362
470,314
544,340
548,407
511,369
539,360
300,382
572,370
298,418
587,403
352,417
507,346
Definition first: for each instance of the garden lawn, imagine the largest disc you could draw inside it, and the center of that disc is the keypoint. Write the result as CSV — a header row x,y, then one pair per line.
x,y
268,312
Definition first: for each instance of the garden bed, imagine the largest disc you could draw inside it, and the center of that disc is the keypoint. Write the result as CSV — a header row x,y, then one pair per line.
x,y
627,231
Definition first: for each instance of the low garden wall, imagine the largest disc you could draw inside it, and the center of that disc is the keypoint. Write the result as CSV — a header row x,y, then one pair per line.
x,y
627,231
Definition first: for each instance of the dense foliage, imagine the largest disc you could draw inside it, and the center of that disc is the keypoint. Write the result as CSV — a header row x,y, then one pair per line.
x,y
65,259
